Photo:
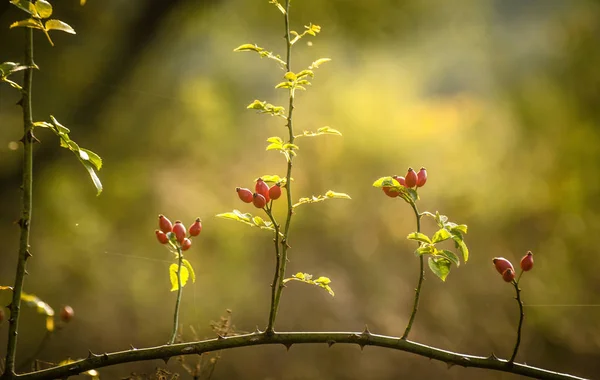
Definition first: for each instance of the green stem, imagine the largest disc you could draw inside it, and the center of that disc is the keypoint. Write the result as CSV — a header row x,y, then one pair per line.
x,y
413,314
179,292
26,207
288,184
287,339
521,316
275,283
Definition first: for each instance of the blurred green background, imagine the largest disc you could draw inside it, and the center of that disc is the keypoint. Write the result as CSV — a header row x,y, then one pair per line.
x,y
498,99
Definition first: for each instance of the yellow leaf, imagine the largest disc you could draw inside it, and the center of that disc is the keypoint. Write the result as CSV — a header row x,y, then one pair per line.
x,y
185,274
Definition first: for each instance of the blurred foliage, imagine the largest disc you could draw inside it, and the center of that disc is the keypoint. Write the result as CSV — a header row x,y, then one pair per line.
x,y
498,99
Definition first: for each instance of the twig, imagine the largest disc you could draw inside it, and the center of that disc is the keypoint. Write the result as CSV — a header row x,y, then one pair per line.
x,y
521,316
179,292
275,283
288,183
26,206
420,283
287,339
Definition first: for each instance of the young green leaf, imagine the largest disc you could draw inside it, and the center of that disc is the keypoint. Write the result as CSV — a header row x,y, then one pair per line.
x,y
92,157
26,6
441,235
460,244
318,62
185,275
333,194
43,8
450,256
91,170
322,282
418,236
59,25
440,266
28,23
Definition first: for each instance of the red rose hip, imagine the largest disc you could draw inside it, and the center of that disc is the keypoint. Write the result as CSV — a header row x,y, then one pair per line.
x,y
244,194
66,314
187,243
179,231
162,237
259,201
262,188
195,228
401,180
1,316
275,191
502,264
527,262
164,224
421,177
390,192
508,275
411,178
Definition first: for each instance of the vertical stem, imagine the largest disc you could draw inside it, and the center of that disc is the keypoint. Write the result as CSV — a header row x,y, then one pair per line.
x,y
275,283
179,292
26,206
521,316
288,184
419,284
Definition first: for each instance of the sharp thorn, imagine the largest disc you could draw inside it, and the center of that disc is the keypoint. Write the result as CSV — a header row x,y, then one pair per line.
x,y
366,331
131,347
90,354
362,346
105,356
220,337
257,330
450,365
287,346
166,360
330,343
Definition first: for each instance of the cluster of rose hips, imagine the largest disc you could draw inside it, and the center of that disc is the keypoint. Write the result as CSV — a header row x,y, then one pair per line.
x,y
262,193
176,233
506,269
412,179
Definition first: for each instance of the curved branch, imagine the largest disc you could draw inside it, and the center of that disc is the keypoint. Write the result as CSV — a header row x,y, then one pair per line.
x,y
287,339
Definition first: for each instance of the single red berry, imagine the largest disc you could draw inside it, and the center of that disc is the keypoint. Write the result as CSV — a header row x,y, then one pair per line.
x,y
508,275
259,201
244,194
275,191
421,177
162,237
187,243
1,316
502,264
179,231
262,188
411,178
390,192
164,224
527,262
195,228
400,180
66,314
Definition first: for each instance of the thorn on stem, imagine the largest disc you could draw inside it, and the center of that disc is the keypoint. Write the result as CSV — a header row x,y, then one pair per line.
x,y
330,343
450,365
257,330
166,360
287,346
493,357
220,337
28,254
105,356
366,331
132,348
91,354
